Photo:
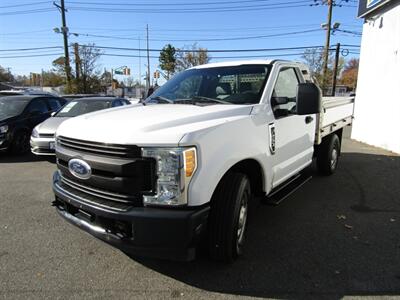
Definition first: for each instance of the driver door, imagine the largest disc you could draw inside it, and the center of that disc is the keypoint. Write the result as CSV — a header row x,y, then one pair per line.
x,y
294,134
37,112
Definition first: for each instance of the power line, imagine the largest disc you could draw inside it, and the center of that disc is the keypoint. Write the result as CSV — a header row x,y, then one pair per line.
x,y
154,29
168,4
25,4
201,40
156,57
25,12
357,33
182,50
32,55
170,11
30,49
211,50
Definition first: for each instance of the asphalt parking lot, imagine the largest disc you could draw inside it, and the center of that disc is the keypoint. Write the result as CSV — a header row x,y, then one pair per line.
x,y
335,237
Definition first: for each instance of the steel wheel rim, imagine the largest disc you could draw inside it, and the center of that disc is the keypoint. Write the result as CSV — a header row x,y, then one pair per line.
x,y
334,158
242,220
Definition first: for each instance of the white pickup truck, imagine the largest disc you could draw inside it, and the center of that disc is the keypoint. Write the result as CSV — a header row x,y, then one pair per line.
x,y
157,178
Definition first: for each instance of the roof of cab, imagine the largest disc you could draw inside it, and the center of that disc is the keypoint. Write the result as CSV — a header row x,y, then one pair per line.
x,y
235,63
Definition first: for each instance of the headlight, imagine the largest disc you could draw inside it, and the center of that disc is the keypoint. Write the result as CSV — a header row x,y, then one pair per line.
x,y
35,132
3,129
175,168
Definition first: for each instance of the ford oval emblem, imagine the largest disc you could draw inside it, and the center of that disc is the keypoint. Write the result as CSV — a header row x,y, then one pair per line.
x,y
79,168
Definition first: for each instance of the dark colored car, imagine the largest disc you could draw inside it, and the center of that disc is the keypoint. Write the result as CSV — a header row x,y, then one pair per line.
x,y
20,114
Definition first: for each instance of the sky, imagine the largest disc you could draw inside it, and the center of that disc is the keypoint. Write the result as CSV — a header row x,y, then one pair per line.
x,y
213,24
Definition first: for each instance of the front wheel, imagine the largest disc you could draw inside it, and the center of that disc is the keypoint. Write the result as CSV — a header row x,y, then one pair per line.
x,y
228,217
328,155
20,143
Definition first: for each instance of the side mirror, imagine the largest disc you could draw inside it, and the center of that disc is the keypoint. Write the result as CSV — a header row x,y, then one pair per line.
x,y
279,100
308,100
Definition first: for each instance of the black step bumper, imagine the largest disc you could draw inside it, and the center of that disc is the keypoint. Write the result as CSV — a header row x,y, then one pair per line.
x,y
142,231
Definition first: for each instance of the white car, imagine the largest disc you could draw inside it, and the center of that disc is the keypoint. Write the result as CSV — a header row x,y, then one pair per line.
x,y
42,139
159,177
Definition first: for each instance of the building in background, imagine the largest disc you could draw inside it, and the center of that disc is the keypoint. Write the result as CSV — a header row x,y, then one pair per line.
x,y
377,110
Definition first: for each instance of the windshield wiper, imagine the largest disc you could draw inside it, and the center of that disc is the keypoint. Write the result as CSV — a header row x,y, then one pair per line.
x,y
161,98
202,99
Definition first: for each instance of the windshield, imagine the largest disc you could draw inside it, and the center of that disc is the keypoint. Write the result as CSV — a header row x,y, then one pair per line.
x,y
10,108
80,107
221,85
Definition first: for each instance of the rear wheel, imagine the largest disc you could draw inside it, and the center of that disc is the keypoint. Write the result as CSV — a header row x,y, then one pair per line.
x,y
228,217
20,143
328,155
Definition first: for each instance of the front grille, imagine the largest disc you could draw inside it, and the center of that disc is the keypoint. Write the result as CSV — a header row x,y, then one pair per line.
x,y
99,148
46,135
92,198
119,175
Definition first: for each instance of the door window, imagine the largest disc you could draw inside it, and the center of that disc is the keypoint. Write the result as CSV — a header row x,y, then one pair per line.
x,y
283,100
38,105
54,104
117,103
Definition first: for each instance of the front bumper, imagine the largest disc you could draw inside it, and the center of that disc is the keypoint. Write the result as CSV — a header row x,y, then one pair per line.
x,y
4,141
143,231
41,146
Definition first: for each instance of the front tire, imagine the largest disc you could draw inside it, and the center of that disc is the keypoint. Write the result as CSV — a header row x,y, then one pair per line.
x,y
20,143
228,217
328,155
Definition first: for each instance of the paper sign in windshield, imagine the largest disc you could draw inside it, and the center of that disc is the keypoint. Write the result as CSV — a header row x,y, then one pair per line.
x,y
68,107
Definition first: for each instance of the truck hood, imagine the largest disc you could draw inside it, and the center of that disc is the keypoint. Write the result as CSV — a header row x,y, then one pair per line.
x,y
159,124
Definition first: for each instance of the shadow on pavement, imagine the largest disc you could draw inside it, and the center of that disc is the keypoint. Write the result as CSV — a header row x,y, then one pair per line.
x,y
29,157
336,236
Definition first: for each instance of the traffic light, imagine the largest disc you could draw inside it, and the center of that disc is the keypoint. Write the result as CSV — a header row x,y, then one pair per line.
x,y
156,74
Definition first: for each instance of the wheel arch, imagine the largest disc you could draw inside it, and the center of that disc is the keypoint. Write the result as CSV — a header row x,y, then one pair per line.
x,y
253,169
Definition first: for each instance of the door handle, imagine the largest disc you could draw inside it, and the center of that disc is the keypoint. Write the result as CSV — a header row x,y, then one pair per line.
x,y
309,119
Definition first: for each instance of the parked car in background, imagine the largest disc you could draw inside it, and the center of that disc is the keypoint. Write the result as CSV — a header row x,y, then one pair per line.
x,y
78,96
42,139
24,92
20,114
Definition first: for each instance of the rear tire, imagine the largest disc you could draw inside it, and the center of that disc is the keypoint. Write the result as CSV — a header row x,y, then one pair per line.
x,y
328,155
228,217
20,143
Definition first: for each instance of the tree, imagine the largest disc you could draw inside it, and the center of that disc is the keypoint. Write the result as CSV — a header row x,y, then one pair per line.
x,y
167,60
5,75
193,56
86,77
88,80
59,66
51,78
22,80
313,57
350,73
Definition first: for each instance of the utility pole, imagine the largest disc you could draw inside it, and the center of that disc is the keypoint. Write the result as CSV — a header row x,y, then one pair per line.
x,y
327,44
335,69
148,57
140,65
41,79
77,60
64,30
